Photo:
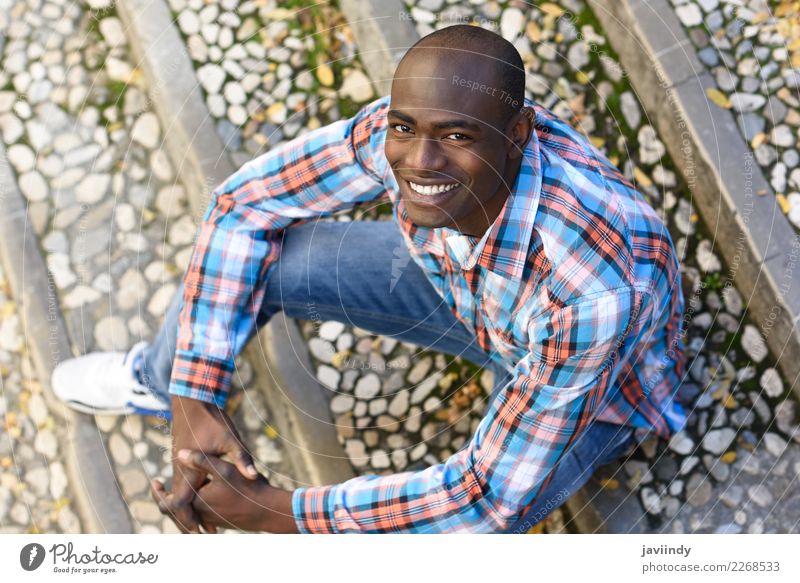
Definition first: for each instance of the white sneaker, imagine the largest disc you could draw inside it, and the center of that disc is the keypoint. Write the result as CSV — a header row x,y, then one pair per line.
x,y
104,383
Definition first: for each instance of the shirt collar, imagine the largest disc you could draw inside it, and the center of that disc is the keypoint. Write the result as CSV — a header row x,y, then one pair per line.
x,y
503,248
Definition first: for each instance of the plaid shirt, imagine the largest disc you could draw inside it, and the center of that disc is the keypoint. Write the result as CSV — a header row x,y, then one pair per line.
x,y
575,289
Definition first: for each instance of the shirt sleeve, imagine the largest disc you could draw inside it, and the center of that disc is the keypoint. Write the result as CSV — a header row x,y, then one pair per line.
x,y
238,241
485,487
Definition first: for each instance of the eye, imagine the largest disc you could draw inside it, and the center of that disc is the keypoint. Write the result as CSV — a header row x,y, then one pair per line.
x,y
401,128
457,137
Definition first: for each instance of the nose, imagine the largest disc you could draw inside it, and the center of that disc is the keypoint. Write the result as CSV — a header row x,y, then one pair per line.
x,y
425,154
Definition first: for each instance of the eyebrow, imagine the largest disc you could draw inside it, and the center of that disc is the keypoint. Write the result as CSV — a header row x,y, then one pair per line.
x,y
452,123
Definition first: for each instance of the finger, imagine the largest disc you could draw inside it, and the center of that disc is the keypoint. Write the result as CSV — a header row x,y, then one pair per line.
x,y
160,496
237,452
184,489
163,500
243,462
208,465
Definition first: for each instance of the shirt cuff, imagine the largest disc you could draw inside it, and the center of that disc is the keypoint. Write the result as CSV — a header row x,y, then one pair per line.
x,y
202,378
314,510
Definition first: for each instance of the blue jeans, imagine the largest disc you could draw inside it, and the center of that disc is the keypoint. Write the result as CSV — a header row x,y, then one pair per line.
x,y
361,273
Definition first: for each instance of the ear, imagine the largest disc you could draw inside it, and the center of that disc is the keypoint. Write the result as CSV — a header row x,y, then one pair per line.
x,y
519,131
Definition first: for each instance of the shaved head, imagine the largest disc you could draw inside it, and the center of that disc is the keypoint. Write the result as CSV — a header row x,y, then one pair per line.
x,y
491,60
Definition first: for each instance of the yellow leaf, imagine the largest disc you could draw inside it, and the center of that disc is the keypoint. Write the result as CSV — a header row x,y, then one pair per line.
x,y
280,14
609,484
441,415
582,78
782,10
337,360
784,203
534,32
24,397
642,179
550,8
314,123
758,139
270,432
730,402
794,45
718,98
759,17
136,77
694,218
598,142
9,309
536,528
276,111
729,457
325,75
61,503
761,192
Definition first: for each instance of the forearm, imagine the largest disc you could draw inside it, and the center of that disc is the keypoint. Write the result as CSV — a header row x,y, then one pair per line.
x,y
238,242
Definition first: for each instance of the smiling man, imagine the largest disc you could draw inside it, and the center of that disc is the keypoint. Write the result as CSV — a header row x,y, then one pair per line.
x,y
532,255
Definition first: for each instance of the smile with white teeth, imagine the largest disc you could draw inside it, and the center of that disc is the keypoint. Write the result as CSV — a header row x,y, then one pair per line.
x,y
433,188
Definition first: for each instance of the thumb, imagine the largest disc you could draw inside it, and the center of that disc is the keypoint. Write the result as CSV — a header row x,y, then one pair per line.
x,y
243,461
208,465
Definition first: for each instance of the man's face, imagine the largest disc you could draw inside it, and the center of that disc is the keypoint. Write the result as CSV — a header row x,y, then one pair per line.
x,y
446,142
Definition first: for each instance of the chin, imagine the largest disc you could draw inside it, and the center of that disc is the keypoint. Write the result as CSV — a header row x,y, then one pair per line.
x,y
430,219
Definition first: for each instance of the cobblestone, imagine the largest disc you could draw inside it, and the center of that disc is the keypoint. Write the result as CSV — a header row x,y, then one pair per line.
x,y
86,152
34,491
752,57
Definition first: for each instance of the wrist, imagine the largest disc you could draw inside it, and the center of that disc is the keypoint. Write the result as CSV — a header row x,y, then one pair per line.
x,y
276,510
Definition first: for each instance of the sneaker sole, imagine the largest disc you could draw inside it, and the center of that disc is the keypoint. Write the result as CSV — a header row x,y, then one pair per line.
x,y
129,410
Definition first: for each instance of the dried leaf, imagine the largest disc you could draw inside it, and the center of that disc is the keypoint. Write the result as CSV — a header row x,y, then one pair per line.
x,y
758,139
536,528
325,75
280,14
718,98
784,203
609,484
642,179
552,9
533,31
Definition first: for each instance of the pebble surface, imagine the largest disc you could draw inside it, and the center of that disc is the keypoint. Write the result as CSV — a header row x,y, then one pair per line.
x,y
35,495
749,49
116,235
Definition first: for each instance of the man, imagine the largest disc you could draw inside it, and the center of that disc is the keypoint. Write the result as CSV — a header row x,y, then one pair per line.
x,y
531,254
